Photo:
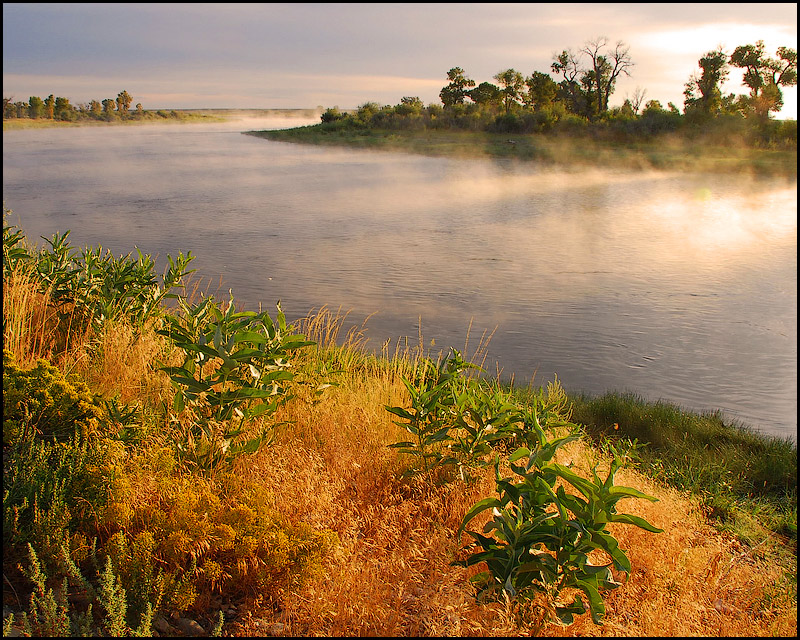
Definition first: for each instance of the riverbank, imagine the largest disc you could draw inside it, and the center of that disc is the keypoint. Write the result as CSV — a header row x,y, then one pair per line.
x,y
166,117
667,152
317,528
183,116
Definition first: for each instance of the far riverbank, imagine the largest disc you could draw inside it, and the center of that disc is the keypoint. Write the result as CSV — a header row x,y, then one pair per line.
x,y
667,152
163,116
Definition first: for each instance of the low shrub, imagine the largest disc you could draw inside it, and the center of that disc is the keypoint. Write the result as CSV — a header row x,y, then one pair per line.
x,y
42,403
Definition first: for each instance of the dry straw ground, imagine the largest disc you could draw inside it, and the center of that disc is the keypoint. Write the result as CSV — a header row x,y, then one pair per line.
x,y
392,573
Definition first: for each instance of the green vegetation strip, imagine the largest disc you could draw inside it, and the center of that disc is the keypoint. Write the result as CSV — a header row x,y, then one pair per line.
x,y
671,152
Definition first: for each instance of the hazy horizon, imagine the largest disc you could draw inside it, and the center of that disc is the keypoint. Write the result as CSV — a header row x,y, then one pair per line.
x,y
307,55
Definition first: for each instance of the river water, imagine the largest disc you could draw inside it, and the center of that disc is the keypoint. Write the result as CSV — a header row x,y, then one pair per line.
x,y
675,286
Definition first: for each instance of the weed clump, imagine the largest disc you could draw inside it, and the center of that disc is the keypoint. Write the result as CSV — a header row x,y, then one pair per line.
x,y
41,403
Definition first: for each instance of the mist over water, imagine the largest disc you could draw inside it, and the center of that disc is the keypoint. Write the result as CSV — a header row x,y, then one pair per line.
x,y
678,287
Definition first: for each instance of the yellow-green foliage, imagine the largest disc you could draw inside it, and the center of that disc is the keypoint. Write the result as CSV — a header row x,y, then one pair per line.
x,y
239,545
42,401
56,493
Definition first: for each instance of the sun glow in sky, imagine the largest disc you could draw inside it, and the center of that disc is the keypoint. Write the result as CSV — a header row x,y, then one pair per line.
x,y
301,55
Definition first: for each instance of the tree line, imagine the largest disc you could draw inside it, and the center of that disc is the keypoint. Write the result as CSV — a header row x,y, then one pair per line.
x,y
59,108
577,98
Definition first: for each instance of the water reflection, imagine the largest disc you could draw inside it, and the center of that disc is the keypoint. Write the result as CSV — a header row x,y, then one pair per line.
x,y
677,287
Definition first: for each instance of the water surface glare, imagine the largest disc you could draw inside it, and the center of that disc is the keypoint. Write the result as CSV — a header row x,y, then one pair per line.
x,y
677,287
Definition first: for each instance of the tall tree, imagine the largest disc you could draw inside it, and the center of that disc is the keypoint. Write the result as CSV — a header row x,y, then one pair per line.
x,y
123,102
108,108
542,91
50,106
765,76
458,89
512,82
35,107
605,68
63,109
567,64
486,94
703,94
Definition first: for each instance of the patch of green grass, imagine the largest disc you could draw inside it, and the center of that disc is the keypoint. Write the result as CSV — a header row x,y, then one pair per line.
x,y
746,481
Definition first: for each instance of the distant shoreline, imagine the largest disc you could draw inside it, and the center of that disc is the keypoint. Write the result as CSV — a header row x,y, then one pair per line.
x,y
184,116
668,152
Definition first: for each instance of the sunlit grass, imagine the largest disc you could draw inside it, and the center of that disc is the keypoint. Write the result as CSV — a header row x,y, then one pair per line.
x,y
375,551
745,481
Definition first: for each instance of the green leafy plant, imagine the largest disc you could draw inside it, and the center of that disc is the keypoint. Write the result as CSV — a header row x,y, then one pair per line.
x,y
540,537
460,421
434,410
114,288
483,417
236,367
101,286
14,251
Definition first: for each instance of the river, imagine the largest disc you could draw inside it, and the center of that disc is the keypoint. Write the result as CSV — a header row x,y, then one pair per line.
x,y
676,286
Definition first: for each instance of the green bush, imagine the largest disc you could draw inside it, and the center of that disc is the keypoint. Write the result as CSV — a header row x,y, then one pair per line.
x,y
55,492
40,402
236,368
332,115
540,538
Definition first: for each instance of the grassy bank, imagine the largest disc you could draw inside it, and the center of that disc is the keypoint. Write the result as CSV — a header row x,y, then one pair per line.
x,y
150,117
671,152
745,482
146,492
188,116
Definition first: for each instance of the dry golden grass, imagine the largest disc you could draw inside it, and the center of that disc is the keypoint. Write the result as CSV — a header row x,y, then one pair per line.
x,y
32,329
116,362
391,576
122,363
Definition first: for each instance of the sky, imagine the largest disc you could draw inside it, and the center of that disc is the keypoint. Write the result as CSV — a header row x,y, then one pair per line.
x,y
304,55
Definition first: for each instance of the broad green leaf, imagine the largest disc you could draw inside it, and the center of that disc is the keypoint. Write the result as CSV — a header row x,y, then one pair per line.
x,y
260,409
639,522
581,484
399,411
629,492
596,606
178,404
249,336
478,507
191,383
440,436
522,452
200,348
399,445
609,544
